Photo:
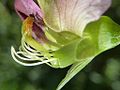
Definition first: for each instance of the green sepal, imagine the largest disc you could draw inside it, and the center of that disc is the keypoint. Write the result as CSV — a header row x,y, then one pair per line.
x,y
62,38
67,55
100,36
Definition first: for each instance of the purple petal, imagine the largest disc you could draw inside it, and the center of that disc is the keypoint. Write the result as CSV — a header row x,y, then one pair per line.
x,y
38,34
25,8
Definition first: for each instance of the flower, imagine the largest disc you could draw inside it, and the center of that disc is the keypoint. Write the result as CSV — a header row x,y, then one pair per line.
x,y
57,15
53,33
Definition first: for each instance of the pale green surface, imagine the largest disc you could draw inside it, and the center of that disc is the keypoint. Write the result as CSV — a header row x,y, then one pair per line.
x,y
100,36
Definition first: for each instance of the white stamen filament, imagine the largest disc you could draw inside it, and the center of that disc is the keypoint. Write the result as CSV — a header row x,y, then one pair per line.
x,y
14,55
28,50
28,56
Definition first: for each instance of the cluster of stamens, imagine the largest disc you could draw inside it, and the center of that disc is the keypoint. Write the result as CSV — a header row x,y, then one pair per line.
x,y
28,56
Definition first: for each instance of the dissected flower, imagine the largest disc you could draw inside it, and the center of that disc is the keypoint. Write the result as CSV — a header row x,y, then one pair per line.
x,y
63,32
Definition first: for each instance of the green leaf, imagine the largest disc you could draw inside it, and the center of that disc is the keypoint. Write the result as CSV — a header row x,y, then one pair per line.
x,y
99,36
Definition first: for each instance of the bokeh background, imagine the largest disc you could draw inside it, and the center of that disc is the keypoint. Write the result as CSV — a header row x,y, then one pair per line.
x,y
103,73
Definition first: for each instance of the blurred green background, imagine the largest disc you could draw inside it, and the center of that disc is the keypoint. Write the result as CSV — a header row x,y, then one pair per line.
x,y
103,73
